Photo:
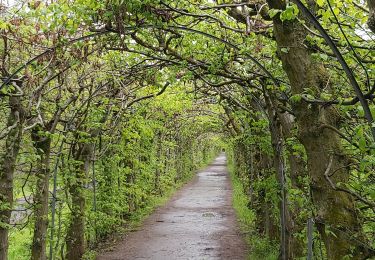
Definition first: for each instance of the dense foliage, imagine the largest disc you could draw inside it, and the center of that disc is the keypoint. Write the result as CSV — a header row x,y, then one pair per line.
x,y
108,105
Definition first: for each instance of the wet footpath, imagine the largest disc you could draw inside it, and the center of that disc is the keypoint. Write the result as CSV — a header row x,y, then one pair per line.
x,y
197,223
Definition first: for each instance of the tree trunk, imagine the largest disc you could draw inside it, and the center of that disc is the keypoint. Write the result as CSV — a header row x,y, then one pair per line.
x,y
297,171
266,222
76,231
159,164
335,210
371,16
278,162
75,236
7,165
42,145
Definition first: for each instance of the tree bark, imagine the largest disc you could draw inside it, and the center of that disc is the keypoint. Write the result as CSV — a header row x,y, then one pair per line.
x,y
267,224
277,140
158,141
75,240
7,165
371,16
297,171
83,153
336,212
42,145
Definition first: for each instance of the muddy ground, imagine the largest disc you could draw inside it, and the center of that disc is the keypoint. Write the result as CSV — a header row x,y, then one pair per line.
x,y
197,223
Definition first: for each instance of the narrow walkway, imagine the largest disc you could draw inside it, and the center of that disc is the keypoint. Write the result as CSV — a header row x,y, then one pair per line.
x,y
197,223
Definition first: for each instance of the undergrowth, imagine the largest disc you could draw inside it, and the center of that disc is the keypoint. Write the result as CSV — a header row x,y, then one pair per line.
x,y
259,247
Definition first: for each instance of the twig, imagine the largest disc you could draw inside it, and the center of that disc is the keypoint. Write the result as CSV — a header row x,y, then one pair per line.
x,y
335,187
149,96
7,130
340,134
224,6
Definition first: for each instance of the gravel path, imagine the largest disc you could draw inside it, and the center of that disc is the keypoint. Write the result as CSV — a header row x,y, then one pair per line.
x,y
197,223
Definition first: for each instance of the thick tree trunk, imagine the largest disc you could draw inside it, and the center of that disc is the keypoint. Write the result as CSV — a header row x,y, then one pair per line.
x,y
7,165
43,146
335,210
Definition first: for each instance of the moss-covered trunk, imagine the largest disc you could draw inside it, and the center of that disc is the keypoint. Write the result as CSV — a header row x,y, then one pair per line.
x,y
75,240
280,128
371,16
277,141
159,168
336,215
42,145
266,221
7,165
297,171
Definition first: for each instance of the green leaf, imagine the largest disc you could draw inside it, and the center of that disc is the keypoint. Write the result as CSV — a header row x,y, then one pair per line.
x,y
320,2
273,12
323,56
296,98
290,13
285,50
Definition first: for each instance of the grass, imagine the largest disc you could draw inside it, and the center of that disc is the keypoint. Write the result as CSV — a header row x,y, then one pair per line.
x,y
20,243
245,215
260,247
